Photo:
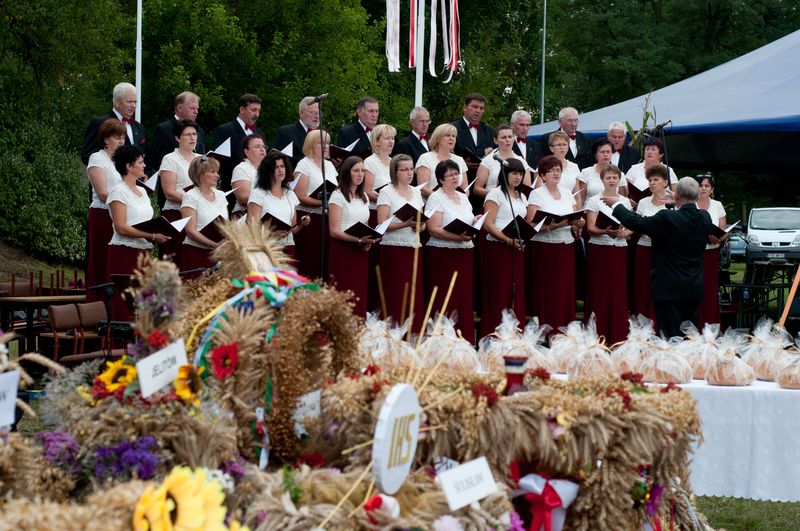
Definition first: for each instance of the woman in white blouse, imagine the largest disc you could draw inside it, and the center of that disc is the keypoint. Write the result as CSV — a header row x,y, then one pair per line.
x,y
128,204
308,173
272,196
103,177
245,174
607,279
399,242
489,170
709,305
559,146
377,164
203,204
590,181
441,144
446,251
552,253
174,178
348,263
658,182
504,254
653,154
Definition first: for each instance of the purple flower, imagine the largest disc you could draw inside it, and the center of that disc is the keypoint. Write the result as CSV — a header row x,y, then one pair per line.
x,y
651,507
60,449
235,468
516,522
127,459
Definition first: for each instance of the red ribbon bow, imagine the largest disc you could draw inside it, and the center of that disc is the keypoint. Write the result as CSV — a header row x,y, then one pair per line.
x,y
573,137
522,139
127,120
423,137
542,506
368,129
310,129
249,127
474,126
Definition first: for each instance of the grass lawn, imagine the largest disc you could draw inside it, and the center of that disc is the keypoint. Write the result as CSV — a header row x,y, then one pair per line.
x,y
734,514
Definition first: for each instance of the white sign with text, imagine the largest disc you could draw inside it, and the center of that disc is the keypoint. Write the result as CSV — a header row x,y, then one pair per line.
x,y
161,368
396,437
9,382
467,483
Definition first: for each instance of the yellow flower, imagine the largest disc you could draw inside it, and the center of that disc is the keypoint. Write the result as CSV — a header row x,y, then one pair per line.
x,y
188,384
117,375
83,392
236,526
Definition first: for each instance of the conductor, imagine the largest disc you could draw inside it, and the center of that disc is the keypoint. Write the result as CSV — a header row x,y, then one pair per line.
x,y
679,238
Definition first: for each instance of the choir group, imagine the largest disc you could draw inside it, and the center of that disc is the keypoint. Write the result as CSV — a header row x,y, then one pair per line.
x,y
522,221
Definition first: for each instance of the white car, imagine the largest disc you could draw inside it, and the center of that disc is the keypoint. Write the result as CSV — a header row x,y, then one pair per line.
x,y
773,234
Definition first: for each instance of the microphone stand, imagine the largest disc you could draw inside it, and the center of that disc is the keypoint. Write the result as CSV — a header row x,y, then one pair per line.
x,y
323,197
517,234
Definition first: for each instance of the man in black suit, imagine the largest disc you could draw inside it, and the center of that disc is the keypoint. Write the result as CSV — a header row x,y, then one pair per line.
x,y
525,147
679,241
471,134
124,107
367,110
243,125
624,156
580,147
416,143
296,132
187,106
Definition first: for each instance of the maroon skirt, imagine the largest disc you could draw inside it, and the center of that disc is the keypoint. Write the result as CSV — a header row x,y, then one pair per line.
x,y
440,263
348,267
122,260
374,302
709,306
100,229
607,291
642,304
498,263
195,258
397,265
171,250
553,278
308,248
289,251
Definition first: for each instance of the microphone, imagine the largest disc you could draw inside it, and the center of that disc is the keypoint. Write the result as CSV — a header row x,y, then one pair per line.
x,y
498,159
321,97
657,128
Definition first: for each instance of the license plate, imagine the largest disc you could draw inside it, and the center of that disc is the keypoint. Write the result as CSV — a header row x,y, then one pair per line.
x,y
776,255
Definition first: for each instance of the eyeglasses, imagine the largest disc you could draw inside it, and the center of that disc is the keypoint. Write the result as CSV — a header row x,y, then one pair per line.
x,y
554,170
451,174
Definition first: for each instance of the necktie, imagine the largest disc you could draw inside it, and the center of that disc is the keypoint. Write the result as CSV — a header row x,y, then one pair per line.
x,y
522,139
474,126
127,120
367,129
310,129
573,137
423,137
249,127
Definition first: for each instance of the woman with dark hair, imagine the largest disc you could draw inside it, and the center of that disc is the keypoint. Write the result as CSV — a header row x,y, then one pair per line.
x,y
129,204
308,173
174,177
552,253
658,182
103,177
203,204
245,174
446,251
348,263
709,305
607,279
653,154
590,181
272,196
504,255
489,170
400,240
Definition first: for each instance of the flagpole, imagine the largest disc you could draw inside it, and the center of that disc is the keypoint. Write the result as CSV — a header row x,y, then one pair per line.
x,y
544,46
420,49
139,60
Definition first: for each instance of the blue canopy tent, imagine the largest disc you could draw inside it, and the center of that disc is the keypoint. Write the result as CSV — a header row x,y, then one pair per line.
x,y
741,115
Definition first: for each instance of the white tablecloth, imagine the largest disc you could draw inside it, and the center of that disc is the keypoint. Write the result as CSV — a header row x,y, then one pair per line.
x,y
752,441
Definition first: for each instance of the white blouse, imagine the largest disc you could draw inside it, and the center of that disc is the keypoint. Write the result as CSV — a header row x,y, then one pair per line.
x,y
405,237
282,208
307,167
504,216
138,209
430,160
175,163
439,202
717,212
100,159
494,168
207,211
542,200
636,176
595,204
375,165
570,174
594,184
244,171
353,211
645,207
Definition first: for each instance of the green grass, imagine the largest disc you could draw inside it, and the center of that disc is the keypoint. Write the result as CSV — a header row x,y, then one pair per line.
x,y
734,514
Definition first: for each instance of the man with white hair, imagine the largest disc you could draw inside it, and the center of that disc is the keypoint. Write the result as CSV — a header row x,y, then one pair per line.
x,y
187,107
580,147
416,143
624,155
123,108
679,238
527,148
295,133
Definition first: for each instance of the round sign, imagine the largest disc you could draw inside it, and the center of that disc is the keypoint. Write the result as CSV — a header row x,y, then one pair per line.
x,y
396,437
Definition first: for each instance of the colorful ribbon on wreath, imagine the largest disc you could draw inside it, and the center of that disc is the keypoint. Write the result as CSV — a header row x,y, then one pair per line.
x,y
549,499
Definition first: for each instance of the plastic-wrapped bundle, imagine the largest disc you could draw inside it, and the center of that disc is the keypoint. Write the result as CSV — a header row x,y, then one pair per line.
x,y
788,375
661,364
383,343
726,368
697,348
564,344
457,351
765,352
629,354
541,356
591,356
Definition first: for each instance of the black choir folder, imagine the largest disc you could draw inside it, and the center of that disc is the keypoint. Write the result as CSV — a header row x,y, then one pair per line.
x,y
721,233
637,194
276,222
162,225
557,218
211,230
526,230
604,221
407,212
341,153
468,155
329,185
461,227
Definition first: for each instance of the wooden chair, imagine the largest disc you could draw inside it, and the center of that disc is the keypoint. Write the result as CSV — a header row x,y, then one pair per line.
x,y
90,314
64,326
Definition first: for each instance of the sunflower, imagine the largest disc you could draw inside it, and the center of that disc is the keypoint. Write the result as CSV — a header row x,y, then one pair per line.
x,y
188,384
117,375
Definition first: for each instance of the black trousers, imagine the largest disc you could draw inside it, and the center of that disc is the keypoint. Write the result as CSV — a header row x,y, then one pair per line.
x,y
670,315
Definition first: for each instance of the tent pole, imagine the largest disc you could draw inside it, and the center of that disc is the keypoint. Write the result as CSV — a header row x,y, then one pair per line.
x,y
544,47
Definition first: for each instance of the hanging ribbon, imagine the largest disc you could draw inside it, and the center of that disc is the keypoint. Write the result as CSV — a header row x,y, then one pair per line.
x,y
542,506
454,35
393,34
432,43
412,35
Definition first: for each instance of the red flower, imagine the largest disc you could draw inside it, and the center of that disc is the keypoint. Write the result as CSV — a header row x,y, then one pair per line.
x,y
157,340
625,395
670,387
371,369
321,338
314,460
484,390
224,359
634,378
377,385
540,372
373,504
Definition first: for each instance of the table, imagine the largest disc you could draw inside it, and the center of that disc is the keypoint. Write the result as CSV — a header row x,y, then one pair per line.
x,y
30,304
752,441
